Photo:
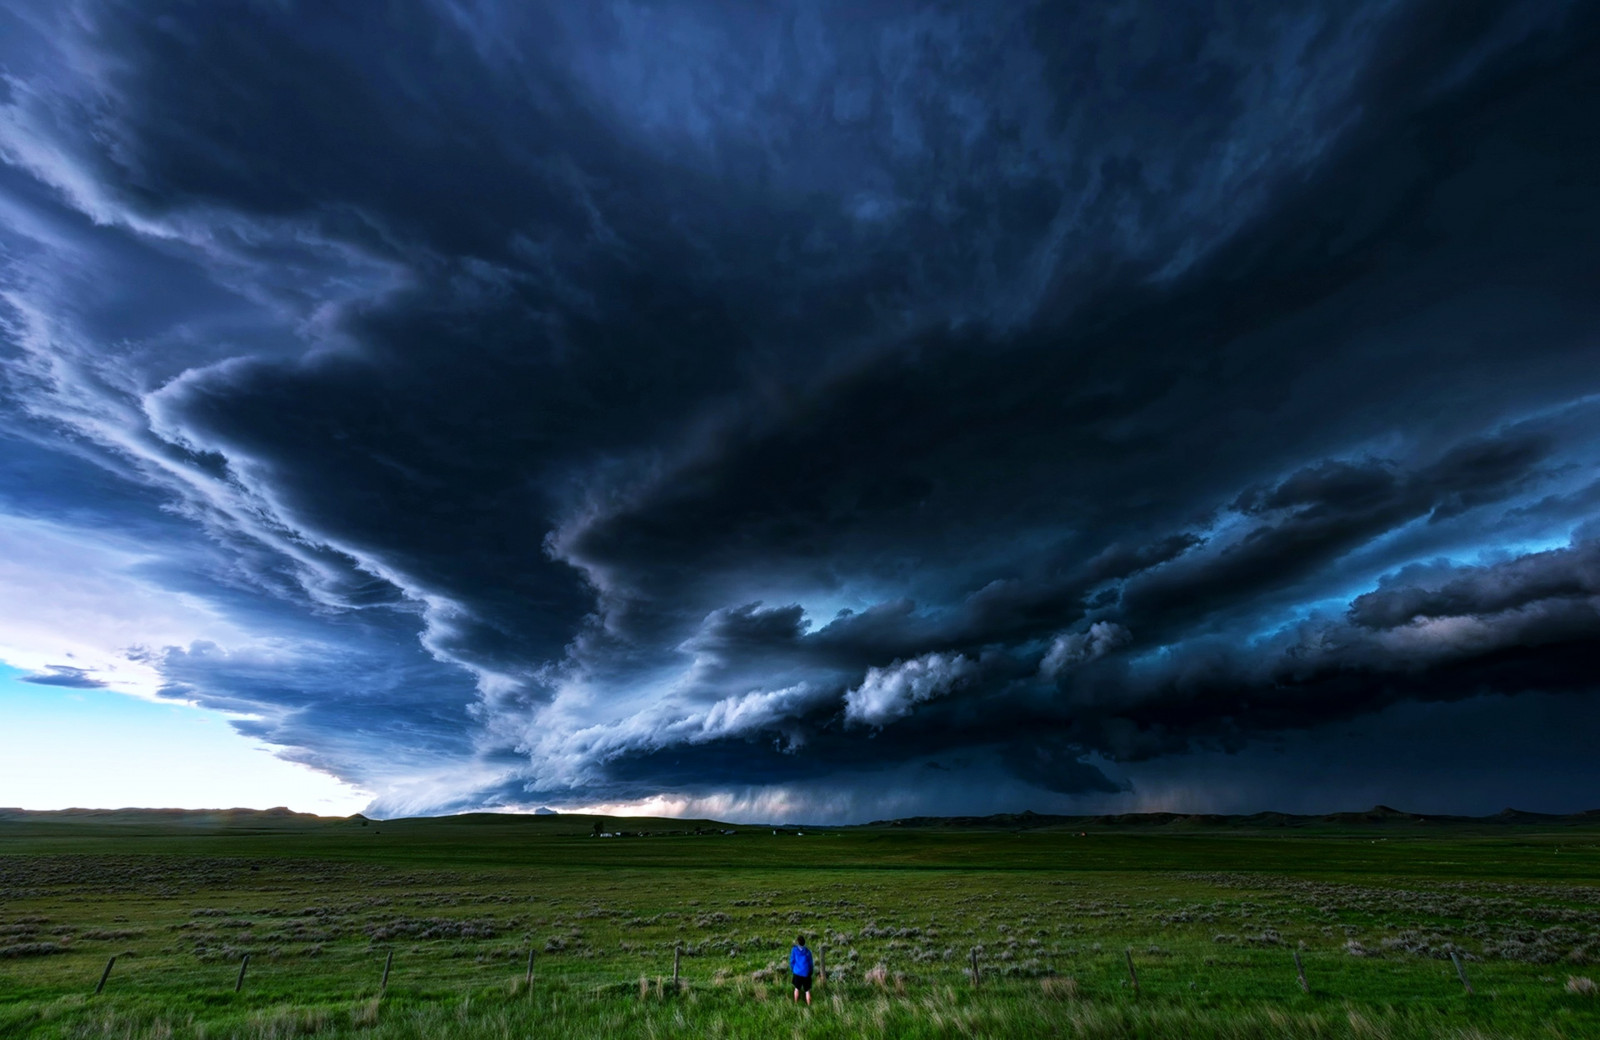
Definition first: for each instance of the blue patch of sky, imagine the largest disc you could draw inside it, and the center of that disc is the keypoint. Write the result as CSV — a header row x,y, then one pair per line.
x,y
86,748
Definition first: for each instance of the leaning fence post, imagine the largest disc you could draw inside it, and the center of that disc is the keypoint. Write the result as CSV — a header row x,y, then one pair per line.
x,y
974,967
822,968
1133,976
1461,971
1299,969
677,952
239,982
528,982
388,962
104,975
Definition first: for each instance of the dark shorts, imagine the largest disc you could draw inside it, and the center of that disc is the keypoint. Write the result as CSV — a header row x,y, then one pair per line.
x,y
802,983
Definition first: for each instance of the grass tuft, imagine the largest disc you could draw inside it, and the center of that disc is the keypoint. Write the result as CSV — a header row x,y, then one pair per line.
x,y
1059,987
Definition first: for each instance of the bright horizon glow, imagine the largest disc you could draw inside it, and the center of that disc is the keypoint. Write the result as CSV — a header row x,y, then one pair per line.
x,y
65,748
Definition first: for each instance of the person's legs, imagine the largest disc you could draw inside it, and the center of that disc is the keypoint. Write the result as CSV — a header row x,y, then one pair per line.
x,y
797,994
808,997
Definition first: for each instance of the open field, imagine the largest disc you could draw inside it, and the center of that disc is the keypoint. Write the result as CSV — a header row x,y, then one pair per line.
x,y
1213,917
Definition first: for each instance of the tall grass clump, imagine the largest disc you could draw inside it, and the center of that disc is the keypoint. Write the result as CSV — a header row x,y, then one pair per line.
x,y
1050,1007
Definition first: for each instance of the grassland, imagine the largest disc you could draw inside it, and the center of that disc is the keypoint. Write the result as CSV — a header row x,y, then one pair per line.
x,y
1213,917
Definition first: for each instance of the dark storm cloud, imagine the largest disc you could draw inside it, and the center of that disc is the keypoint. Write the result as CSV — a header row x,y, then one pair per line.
x,y
596,402
1420,591
64,675
1057,766
1319,513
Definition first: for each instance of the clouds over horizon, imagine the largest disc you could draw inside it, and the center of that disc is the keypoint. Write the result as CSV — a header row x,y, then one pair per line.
x,y
804,409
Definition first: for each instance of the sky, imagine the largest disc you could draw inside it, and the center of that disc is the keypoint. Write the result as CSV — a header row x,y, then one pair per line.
x,y
800,411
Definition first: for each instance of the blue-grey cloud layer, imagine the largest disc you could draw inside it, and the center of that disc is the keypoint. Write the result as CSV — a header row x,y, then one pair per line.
x,y
787,403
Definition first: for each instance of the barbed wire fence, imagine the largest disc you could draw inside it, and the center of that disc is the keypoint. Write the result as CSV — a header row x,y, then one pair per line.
x,y
977,974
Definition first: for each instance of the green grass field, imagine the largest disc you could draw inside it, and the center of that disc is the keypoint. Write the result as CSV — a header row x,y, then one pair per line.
x,y
1213,918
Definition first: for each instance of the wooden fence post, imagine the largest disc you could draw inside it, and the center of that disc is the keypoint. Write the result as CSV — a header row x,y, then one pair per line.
x,y
104,975
974,967
677,952
1133,975
1461,971
388,962
822,968
239,982
1299,969
528,982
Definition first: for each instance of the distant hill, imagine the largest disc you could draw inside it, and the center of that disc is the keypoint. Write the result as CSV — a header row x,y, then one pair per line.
x,y
168,819
1379,815
180,821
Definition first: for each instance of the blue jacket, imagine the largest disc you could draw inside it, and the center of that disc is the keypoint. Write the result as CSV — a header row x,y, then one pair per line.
x,y
800,961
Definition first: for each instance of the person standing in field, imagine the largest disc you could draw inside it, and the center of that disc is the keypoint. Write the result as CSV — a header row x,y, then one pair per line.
x,y
800,969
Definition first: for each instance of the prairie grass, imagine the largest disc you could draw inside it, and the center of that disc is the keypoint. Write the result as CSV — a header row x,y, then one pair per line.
x,y
736,1011
1212,922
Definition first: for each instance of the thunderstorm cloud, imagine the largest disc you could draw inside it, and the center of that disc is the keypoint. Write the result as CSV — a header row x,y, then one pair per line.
x,y
816,410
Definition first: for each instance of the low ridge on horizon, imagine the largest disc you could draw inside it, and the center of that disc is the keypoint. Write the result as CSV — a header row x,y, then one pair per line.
x,y
1010,820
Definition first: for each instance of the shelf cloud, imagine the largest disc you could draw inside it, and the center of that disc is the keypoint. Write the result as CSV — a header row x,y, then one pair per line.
x,y
820,410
